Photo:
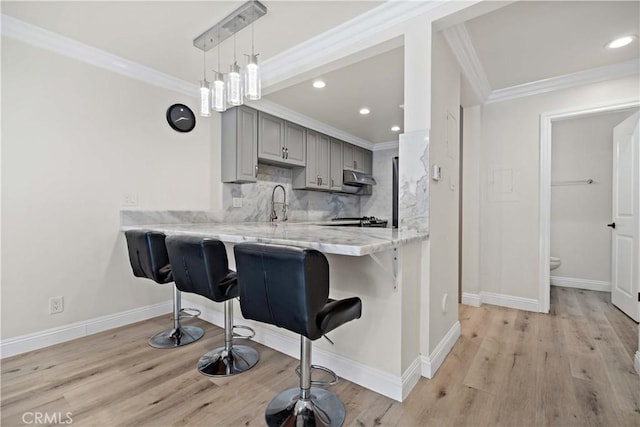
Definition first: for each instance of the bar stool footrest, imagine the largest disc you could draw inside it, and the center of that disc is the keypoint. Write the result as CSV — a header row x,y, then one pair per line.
x,y
187,313
240,336
334,381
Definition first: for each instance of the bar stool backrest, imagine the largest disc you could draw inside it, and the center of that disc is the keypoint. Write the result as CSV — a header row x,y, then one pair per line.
x,y
200,266
148,255
285,286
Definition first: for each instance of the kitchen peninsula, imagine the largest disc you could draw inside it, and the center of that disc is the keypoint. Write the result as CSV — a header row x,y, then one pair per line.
x,y
380,351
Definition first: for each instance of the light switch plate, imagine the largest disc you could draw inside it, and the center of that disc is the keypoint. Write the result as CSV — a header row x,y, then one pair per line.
x,y
237,202
436,172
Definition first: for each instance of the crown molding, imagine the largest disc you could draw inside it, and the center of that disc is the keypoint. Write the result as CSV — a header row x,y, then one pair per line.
x,y
359,33
389,145
65,46
306,121
593,75
460,43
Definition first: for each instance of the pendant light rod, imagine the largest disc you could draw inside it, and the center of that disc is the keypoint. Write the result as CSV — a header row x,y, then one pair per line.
x,y
234,22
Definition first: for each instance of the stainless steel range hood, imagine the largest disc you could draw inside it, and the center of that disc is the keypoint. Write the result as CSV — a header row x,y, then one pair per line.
x,y
357,179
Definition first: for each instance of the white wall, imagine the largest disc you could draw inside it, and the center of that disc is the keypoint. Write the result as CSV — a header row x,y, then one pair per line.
x,y
508,185
471,152
75,139
443,209
582,149
380,203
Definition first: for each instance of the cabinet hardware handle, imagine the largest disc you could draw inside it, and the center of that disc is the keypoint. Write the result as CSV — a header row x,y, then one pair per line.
x,y
320,180
612,225
332,184
286,153
317,179
283,152
256,171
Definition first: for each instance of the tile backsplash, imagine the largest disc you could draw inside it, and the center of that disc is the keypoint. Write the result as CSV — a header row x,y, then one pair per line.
x,y
303,205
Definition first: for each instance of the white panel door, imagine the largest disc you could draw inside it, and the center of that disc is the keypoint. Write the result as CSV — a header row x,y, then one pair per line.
x,y
625,265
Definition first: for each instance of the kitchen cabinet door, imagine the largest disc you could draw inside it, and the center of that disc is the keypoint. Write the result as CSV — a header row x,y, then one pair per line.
x,y
336,164
347,156
271,134
240,145
367,163
311,173
295,147
323,162
358,159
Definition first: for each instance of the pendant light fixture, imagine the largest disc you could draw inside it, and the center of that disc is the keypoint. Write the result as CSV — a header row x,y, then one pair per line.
x,y
205,90
234,81
252,84
231,88
218,90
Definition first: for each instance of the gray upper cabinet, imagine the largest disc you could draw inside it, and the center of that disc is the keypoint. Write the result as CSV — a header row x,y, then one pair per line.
x,y
356,158
295,148
240,145
280,141
336,164
315,175
367,163
347,156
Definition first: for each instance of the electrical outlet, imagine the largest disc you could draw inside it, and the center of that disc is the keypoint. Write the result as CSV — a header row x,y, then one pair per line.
x,y
56,305
237,202
130,199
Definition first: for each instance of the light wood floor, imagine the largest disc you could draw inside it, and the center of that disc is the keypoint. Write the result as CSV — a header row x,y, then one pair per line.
x,y
509,368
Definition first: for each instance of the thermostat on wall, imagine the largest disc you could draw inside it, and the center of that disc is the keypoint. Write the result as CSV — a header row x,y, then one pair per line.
x,y
436,172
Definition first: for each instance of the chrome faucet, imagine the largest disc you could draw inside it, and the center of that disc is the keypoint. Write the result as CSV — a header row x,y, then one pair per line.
x,y
274,216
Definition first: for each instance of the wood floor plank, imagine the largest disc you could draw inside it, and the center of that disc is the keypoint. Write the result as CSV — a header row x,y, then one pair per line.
x,y
509,368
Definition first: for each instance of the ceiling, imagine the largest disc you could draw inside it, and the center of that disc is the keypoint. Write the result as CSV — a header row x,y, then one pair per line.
x,y
534,40
521,42
375,83
159,34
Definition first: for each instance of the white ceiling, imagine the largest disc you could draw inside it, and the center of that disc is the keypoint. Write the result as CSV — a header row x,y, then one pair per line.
x,y
519,43
375,83
159,34
534,40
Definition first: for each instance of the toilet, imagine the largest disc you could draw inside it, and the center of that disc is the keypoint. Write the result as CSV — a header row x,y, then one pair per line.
x,y
554,263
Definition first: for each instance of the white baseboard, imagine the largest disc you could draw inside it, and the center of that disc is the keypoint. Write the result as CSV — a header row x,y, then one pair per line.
x,y
502,300
393,386
527,304
590,285
22,344
471,299
410,377
636,362
431,363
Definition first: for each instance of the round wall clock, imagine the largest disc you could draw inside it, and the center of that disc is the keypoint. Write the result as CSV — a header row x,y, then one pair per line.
x,y
181,118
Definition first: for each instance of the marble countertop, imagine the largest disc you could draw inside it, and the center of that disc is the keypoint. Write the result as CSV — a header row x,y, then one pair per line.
x,y
330,239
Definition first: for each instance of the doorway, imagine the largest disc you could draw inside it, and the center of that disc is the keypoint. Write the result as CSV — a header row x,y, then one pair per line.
x,y
546,125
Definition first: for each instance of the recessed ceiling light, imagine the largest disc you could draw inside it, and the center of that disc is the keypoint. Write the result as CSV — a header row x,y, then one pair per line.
x,y
319,84
620,42
395,128
364,111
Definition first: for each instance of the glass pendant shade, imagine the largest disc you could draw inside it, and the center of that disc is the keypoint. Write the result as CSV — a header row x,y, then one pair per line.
x,y
205,92
219,93
252,85
234,86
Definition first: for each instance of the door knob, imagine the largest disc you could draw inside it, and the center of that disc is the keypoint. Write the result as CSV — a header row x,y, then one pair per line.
x,y
612,225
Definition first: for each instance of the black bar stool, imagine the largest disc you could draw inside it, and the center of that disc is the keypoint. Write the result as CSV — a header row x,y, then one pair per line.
x,y
149,259
200,266
289,287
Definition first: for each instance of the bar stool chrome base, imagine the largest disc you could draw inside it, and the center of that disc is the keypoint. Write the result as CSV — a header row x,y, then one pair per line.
x,y
172,338
223,363
323,409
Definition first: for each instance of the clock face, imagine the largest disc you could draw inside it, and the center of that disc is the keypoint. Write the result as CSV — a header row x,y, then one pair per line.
x,y
181,118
